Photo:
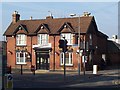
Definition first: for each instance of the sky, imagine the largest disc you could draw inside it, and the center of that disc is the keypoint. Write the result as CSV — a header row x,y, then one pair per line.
x,y
105,13
60,0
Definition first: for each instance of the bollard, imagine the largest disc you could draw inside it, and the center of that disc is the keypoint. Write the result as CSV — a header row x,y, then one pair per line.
x,y
9,81
95,69
21,70
33,69
8,70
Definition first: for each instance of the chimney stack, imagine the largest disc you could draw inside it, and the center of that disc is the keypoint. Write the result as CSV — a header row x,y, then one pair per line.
x,y
86,14
15,17
49,17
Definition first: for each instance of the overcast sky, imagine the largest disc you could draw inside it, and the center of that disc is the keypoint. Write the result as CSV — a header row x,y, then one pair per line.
x,y
105,13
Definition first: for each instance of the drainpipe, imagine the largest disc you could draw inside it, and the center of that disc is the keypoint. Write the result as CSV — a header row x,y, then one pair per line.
x,y
84,53
31,50
54,55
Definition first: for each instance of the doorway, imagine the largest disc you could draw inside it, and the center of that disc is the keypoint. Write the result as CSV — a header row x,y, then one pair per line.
x,y
42,61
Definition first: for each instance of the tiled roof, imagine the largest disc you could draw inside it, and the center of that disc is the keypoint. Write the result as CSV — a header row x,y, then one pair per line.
x,y
53,25
113,47
100,34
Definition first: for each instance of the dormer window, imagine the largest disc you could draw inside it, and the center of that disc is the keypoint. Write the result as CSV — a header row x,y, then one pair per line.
x,y
43,39
21,39
68,37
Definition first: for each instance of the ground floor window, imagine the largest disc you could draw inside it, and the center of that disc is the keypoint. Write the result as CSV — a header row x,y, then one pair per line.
x,y
68,59
20,57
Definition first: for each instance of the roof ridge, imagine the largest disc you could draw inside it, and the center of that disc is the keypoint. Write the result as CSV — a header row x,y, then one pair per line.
x,y
54,24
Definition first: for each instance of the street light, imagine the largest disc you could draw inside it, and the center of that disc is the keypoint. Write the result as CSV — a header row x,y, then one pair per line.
x,y
78,41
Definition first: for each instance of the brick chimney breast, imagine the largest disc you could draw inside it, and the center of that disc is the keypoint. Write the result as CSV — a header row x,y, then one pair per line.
x,y
15,17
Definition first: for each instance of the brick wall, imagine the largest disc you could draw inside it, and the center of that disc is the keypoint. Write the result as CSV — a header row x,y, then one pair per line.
x,y
11,46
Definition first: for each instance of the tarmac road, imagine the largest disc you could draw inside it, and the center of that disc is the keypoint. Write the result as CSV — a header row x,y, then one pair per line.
x,y
104,79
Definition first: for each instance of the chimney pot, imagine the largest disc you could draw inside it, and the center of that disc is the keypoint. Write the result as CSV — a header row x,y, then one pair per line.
x,y
15,17
31,18
86,14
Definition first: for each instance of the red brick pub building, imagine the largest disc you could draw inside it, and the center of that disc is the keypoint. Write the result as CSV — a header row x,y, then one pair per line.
x,y
36,42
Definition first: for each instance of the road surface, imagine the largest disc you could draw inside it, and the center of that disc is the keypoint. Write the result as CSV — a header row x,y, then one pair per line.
x,y
104,79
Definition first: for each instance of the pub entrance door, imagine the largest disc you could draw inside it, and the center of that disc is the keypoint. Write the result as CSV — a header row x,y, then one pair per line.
x,y
42,61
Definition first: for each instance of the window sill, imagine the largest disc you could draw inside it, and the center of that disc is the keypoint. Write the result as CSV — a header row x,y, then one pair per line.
x,y
21,45
66,65
70,44
21,63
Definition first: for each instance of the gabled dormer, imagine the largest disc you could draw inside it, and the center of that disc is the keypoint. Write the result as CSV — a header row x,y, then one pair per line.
x,y
66,28
43,34
21,29
67,31
42,29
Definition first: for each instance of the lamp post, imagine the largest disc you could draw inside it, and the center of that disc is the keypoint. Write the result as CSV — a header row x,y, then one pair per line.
x,y
78,42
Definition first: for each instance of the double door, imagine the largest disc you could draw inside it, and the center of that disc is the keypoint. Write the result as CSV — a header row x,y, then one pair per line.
x,y
42,61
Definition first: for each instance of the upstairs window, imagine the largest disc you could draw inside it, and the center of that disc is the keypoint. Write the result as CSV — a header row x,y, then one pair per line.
x,y
68,37
21,39
43,39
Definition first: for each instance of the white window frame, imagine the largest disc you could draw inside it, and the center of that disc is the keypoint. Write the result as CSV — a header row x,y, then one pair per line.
x,y
21,39
68,37
70,63
43,39
19,59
